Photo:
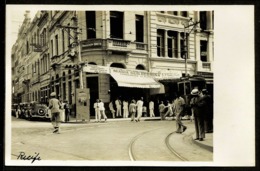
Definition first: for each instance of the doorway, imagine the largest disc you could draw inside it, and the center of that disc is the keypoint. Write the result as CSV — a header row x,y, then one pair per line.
x,y
93,85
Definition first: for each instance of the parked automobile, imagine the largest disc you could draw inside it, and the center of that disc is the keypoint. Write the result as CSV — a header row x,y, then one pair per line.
x,y
24,108
37,110
16,111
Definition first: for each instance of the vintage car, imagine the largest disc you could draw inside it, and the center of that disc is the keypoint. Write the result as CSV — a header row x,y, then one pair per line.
x,y
37,110
16,111
24,107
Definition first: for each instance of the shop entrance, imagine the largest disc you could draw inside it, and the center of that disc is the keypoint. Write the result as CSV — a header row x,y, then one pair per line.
x,y
92,84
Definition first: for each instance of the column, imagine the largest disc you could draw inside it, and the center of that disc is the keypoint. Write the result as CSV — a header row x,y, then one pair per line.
x,y
210,48
165,43
198,19
179,44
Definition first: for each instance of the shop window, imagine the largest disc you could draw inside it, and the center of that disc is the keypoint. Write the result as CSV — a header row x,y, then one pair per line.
x,y
172,44
203,20
116,24
203,50
91,24
160,43
139,28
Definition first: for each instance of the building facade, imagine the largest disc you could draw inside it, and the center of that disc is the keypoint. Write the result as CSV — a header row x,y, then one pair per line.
x,y
54,46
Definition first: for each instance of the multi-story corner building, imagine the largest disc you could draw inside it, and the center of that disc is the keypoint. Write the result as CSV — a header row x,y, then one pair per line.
x,y
166,44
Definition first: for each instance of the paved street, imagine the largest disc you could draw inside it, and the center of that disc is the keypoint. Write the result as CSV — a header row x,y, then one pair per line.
x,y
119,139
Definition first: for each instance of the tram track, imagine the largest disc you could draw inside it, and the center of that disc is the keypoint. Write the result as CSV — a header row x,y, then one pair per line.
x,y
169,149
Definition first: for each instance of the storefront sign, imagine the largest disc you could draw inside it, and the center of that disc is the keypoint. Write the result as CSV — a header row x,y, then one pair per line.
x,y
167,75
131,72
128,72
96,69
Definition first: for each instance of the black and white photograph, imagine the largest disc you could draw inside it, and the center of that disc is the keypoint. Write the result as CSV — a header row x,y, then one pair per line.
x,y
121,86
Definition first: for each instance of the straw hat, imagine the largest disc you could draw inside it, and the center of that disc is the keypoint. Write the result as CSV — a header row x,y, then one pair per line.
x,y
195,92
53,94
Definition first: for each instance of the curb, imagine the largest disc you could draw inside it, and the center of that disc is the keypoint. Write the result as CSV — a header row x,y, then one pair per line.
x,y
206,147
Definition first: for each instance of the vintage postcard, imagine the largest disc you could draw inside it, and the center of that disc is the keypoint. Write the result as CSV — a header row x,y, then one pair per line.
x,y
129,85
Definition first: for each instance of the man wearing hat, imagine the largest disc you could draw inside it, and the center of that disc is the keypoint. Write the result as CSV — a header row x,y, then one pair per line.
x,y
55,105
197,106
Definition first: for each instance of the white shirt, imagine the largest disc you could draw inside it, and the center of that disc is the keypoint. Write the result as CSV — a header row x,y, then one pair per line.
x,y
151,105
139,104
118,103
101,106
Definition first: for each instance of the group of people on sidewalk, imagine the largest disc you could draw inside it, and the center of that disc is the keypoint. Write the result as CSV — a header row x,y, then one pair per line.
x,y
201,104
117,111
99,110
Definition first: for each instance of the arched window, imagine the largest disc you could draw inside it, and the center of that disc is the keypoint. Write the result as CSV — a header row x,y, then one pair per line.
x,y
140,67
117,65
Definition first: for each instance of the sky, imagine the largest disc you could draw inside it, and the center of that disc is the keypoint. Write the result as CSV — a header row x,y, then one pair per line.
x,y
17,18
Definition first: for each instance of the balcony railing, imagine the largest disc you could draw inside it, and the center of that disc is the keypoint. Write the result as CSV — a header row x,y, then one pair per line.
x,y
113,45
206,65
35,79
92,43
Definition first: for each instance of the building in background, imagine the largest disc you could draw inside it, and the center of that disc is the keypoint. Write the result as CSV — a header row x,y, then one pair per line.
x,y
151,49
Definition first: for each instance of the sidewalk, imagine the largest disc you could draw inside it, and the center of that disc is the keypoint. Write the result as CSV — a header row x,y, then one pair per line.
x,y
74,120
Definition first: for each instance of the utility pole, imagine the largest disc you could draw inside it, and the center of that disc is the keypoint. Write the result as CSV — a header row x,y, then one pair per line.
x,y
77,43
185,37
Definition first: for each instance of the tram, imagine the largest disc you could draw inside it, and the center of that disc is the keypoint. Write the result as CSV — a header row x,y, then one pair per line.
x,y
186,85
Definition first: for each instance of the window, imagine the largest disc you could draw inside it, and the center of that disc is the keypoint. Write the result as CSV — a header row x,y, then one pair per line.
x,y
203,20
139,28
172,12
63,41
57,44
184,13
34,39
43,37
27,47
183,47
172,44
68,36
91,24
203,50
116,24
160,42
212,19
52,48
